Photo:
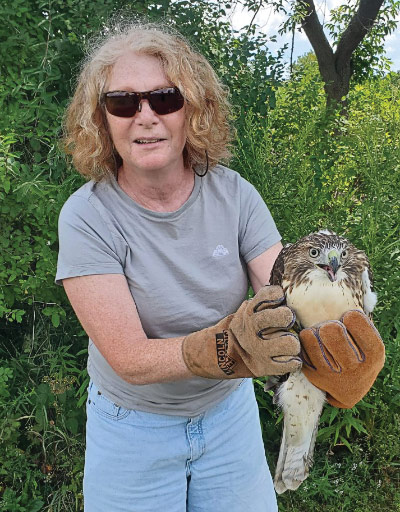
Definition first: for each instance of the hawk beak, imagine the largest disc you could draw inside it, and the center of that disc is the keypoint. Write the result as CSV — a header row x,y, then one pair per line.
x,y
334,264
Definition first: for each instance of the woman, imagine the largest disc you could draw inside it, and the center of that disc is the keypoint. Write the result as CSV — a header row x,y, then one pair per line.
x,y
155,255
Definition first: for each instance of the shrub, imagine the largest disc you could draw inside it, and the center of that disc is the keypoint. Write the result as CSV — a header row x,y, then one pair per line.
x,y
332,171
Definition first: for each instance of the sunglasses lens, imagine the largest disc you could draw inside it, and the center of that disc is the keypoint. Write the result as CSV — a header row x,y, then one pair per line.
x,y
166,101
126,104
122,104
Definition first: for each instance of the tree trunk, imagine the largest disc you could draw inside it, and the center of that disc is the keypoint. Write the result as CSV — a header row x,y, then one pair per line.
x,y
335,67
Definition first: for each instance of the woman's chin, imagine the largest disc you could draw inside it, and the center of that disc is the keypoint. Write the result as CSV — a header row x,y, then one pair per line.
x,y
153,164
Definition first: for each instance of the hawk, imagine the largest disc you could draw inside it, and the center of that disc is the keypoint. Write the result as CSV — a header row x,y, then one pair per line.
x,y
323,275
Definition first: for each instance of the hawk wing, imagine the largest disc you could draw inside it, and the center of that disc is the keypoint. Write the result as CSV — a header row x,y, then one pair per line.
x,y
278,268
369,296
276,278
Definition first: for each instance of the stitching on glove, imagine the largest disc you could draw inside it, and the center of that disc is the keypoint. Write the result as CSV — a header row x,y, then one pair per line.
x,y
289,334
294,358
269,330
357,351
269,302
293,318
305,359
322,348
264,332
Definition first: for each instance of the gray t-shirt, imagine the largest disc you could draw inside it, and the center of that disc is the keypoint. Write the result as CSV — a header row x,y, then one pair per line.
x,y
185,269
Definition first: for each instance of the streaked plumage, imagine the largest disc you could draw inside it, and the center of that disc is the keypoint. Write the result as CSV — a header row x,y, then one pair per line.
x,y
323,276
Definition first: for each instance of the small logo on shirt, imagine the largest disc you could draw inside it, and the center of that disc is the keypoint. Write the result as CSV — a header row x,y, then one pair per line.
x,y
220,252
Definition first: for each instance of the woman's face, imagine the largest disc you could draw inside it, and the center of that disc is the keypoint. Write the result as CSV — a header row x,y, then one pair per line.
x,y
166,134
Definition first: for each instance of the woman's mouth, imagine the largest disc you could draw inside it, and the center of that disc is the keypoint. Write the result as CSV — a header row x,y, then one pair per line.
x,y
147,141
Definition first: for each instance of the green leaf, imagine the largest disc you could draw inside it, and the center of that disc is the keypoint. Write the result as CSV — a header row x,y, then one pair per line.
x,y
43,394
82,400
344,441
55,319
35,505
333,414
35,144
6,185
72,425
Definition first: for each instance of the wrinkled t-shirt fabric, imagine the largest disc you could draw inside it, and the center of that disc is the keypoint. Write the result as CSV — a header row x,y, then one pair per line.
x,y
186,270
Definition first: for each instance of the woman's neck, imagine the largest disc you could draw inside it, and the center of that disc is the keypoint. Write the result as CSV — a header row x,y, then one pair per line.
x,y
157,191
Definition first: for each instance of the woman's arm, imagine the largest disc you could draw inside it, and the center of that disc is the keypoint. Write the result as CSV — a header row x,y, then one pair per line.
x,y
259,268
108,314
105,308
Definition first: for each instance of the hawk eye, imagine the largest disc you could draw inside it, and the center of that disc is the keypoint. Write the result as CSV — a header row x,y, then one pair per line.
x,y
314,252
344,253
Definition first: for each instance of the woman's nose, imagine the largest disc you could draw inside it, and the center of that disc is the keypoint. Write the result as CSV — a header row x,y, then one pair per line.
x,y
145,114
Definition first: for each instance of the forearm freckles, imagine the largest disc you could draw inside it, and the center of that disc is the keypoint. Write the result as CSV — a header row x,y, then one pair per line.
x,y
149,361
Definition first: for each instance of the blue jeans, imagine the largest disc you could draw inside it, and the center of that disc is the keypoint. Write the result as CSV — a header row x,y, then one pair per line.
x,y
143,462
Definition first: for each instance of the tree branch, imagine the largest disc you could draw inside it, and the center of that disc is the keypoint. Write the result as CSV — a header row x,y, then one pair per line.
x,y
357,29
335,67
254,17
315,33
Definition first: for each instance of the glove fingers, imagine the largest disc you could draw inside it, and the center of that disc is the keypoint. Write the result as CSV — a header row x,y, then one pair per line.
x,y
315,351
283,344
267,321
337,340
281,365
268,297
364,333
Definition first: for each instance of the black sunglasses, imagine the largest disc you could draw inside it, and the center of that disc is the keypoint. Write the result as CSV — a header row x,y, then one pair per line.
x,y
126,104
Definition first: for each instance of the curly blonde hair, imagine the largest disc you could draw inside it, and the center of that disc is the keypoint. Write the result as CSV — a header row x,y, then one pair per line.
x,y
87,138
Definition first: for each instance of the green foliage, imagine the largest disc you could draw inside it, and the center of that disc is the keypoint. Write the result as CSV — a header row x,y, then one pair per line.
x,y
320,171
37,64
41,426
314,170
369,57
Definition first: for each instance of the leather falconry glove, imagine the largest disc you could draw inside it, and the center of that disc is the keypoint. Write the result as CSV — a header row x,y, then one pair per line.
x,y
252,342
343,358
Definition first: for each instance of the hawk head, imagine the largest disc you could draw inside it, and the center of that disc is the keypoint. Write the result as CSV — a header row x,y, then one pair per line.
x,y
323,255
325,258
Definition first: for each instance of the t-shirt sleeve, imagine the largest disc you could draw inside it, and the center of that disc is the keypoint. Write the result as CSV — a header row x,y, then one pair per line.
x,y
86,245
257,229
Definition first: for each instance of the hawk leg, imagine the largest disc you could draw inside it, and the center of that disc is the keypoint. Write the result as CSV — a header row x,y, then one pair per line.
x,y
302,405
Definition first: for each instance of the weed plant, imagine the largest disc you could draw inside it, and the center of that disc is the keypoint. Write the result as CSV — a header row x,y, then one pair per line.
x,y
312,169
339,172
42,348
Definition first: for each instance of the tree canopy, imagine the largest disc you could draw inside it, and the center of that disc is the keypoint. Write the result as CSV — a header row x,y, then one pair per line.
x,y
358,30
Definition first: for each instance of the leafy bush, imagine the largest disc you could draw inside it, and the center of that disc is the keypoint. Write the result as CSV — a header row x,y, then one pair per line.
x,y
41,419
313,170
331,171
42,375
38,62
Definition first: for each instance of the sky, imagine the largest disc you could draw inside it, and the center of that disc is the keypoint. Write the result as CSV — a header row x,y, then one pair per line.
x,y
269,22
